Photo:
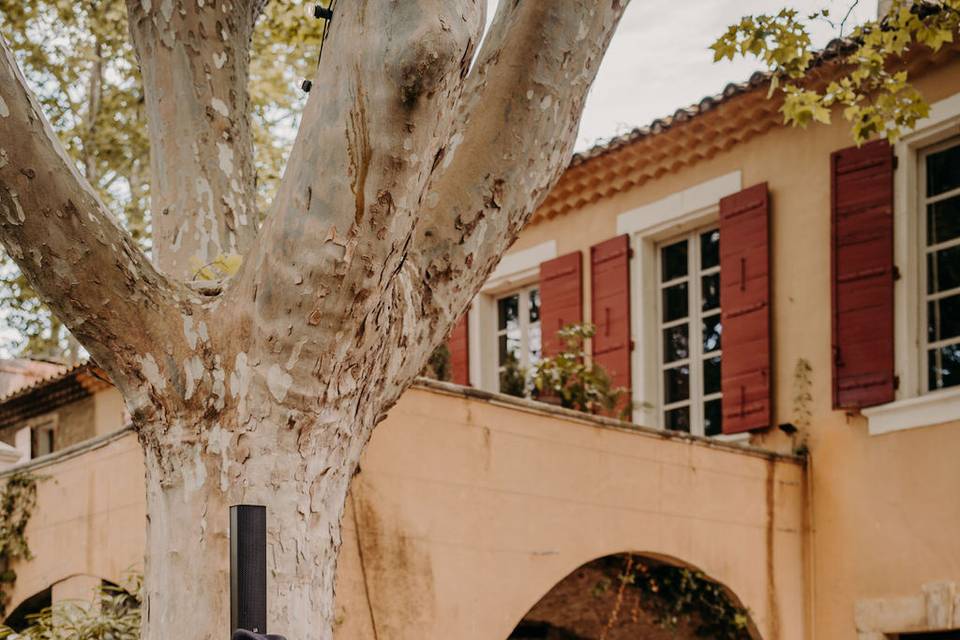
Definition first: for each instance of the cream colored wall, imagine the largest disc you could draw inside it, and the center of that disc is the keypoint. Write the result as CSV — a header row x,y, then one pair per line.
x,y
76,422
110,411
95,415
884,509
466,511
89,518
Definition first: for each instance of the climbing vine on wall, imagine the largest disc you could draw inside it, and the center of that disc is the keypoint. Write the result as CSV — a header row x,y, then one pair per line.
x,y
17,501
802,403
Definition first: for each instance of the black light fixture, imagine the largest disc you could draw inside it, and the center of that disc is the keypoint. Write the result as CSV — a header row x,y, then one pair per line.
x,y
320,12
788,428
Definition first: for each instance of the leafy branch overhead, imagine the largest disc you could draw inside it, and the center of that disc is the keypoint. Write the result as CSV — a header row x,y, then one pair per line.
x,y
875,96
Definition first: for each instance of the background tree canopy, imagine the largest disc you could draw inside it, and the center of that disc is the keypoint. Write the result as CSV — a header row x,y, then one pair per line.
x,y
84,71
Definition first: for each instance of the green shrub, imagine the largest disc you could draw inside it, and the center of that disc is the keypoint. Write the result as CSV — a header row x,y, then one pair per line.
x,y
113,614
574,380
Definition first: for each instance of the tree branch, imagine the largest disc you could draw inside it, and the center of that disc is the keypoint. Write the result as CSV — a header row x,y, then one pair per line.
x,y
71,250
195,60
372,131
516,131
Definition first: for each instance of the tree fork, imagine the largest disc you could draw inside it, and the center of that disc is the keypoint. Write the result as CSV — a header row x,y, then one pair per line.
x,y
412,173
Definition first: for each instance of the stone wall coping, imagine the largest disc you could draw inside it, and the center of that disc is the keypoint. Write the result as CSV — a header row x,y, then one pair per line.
x,y
469,393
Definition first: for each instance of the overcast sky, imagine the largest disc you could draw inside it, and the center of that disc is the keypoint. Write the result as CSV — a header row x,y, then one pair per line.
x,y
659,59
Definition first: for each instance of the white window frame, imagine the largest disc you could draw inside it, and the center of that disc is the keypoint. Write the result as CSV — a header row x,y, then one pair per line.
x,y
914,407
523,313
694,320
648,226
924,250
49,423
517,270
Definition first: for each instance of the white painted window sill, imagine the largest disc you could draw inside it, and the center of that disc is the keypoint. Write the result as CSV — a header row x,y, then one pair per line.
x,y
733,437
912,413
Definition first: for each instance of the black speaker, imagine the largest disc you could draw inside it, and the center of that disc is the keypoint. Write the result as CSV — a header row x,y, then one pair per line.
x,y
248,568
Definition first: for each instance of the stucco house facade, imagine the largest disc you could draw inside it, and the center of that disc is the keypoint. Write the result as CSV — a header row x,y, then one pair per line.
x,y
784,311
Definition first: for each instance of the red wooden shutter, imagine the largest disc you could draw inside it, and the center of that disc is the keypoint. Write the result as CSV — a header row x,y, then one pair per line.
x,y
459,346
561,298
863,274
745,309
610,307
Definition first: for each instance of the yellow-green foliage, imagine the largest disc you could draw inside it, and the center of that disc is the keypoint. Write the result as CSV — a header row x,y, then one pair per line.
x,y
875,97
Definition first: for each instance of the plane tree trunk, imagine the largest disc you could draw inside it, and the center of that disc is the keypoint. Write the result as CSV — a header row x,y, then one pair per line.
x,y
416,164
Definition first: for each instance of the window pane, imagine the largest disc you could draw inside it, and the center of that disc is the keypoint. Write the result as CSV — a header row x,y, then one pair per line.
x,y
678,419
508,312
534,305
711,333
943,221
944,367
535,343
943,318
675,302
711,292
512,378
673,261
943,171
675,345
711,375
676,384
509,348
709,249
713,418
943,270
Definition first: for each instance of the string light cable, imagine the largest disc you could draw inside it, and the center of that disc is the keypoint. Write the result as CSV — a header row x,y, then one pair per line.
x,y
321,12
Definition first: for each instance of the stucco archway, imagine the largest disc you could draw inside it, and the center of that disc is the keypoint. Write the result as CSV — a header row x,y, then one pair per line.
x,y
78,588
610,598
17,619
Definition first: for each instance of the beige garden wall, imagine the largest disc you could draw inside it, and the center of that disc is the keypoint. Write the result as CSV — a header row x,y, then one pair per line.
x,y
468,509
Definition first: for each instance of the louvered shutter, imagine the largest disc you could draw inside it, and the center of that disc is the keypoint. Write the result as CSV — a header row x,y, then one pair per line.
x,y
459,346
561,298
745,305
610,307
863,275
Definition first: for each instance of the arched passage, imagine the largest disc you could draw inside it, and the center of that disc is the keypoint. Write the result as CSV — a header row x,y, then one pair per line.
x,y
631,595
18,618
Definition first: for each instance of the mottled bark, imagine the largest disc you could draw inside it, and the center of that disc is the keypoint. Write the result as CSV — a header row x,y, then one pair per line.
x,y
94,101
300,467
515,132
411,175
69,247
194,57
